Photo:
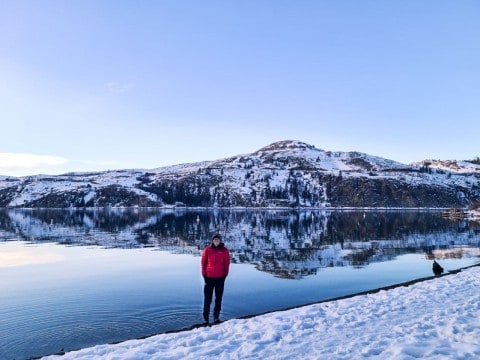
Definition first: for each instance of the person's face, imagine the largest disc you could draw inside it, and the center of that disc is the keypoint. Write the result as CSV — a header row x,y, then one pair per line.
x,y
216,241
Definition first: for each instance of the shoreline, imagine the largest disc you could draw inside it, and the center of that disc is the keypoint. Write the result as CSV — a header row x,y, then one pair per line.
x,y
267,313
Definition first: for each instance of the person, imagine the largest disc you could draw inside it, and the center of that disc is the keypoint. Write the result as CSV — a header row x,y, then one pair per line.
x,y
215,266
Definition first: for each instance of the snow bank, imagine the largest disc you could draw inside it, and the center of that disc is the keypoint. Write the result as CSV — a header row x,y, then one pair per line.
x,y
434,319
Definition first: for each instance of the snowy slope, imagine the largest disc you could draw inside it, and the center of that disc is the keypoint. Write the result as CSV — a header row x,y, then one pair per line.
x,y
453,166
298,155
285,173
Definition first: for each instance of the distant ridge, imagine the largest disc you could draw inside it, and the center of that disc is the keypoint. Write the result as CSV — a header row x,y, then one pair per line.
x,y
286,173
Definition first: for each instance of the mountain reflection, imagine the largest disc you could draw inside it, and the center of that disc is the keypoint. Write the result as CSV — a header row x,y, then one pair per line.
x,y
288,244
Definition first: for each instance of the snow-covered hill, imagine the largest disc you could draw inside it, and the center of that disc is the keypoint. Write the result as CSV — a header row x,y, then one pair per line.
x,y
296,155
454,166
282,174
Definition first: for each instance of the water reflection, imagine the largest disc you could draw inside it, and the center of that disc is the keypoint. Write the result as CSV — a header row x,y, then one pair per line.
x,y
287,244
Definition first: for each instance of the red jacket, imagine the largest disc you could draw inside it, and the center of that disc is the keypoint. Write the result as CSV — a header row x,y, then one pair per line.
x,y
215,261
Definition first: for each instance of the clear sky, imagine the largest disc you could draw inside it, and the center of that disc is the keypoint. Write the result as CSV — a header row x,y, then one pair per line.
x,y
115,84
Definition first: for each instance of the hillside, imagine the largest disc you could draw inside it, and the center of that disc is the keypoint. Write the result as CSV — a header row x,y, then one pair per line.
x,y
282,174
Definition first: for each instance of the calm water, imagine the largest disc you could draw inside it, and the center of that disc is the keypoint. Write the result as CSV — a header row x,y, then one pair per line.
x,y
71,279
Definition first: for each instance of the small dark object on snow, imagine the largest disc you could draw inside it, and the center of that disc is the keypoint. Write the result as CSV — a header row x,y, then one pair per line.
x,y
437,269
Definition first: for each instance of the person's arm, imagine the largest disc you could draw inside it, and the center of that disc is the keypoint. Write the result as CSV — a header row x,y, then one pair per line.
x,y
227,263
204,262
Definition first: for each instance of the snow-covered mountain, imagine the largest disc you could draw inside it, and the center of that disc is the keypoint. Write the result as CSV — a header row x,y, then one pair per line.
x,y
283,174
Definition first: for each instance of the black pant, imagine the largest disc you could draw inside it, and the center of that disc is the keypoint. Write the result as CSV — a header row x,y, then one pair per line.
x,y
211,284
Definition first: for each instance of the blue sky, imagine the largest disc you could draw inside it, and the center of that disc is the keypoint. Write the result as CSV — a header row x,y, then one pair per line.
x,y
96,85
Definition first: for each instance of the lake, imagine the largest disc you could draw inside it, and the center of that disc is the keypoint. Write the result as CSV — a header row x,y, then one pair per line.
x,y
77,278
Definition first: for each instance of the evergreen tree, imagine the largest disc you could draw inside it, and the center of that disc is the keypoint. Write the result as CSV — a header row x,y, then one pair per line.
x,y
476,160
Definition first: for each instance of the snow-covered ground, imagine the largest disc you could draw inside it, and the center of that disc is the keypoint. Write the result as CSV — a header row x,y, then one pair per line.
x,y
433,319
